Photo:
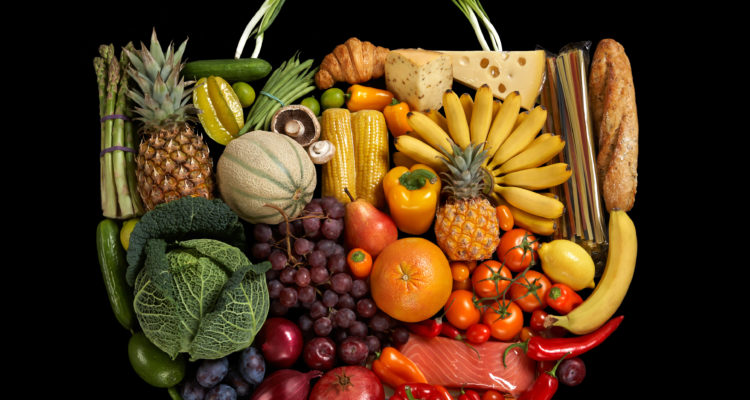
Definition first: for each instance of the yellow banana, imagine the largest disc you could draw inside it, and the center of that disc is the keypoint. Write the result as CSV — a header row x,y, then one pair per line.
x,y
530,222
496,104
436,116
503,122
458,128
537,178
430,132
481,115
531,202
419,151
544,148
522,136
607,296
521,116
468,104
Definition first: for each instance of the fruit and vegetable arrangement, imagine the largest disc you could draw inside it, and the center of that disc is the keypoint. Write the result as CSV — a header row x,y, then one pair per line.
x,y
382,223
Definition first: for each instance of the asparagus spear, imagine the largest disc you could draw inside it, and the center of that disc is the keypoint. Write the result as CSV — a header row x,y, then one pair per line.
x,y
130,157
118,156
109,207
100,68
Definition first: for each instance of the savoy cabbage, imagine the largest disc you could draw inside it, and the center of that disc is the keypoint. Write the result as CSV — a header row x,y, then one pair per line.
x,y
195,291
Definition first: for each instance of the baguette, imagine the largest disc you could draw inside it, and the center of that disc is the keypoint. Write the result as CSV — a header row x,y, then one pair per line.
x,y
615,122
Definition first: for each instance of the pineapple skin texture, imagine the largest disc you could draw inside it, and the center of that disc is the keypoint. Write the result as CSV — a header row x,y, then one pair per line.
x,y
173,162
467,230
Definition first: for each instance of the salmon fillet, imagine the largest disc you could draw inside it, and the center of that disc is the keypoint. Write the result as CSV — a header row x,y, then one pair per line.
x,y
451,363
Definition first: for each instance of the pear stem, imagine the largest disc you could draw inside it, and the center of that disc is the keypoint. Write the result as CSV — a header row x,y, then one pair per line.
x,y
346,190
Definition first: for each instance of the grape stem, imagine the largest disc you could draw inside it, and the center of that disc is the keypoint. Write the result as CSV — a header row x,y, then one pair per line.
x,y
288,226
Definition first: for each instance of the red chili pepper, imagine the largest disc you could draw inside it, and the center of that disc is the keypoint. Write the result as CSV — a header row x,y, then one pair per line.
x,y
451,331
544,387
547,349
421,391
469,395
428,328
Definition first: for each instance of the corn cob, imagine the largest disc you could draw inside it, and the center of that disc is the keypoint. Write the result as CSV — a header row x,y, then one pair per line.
x,y
340,172
372,157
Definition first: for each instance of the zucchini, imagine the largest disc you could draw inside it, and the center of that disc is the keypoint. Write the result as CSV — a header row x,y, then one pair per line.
x,y
232,70
113,265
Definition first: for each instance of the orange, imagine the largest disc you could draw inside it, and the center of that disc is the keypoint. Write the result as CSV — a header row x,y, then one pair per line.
x,y
411,279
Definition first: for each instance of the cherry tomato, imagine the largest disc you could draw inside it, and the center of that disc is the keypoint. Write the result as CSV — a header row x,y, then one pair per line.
x,y
460,270
360,262
490,278
505,218
469,395
492,395
537,320
505,319
460,309
517,249
478,333
526,333
530,290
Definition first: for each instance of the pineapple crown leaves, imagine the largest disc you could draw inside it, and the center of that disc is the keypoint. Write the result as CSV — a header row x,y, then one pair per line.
x,y
164,94
465,178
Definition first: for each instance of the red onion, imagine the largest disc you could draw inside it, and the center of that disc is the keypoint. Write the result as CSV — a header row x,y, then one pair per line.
x,y
286,384
280,341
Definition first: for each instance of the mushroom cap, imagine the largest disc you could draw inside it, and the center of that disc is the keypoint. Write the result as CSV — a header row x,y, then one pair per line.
x,y
306,122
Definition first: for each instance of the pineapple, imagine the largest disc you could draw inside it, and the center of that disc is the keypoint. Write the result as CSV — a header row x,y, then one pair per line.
x,y
173,161
466,226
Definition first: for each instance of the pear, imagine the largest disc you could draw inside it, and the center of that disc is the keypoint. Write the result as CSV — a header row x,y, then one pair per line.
x,y
366,227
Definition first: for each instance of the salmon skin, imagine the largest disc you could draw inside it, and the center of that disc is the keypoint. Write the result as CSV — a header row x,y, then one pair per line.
x,y
453,364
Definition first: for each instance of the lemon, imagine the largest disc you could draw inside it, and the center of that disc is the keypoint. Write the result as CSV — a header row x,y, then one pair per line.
x,y
126,230
567,262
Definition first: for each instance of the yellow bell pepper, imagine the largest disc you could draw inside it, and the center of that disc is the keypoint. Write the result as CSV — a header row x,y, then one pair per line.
x,y
412,195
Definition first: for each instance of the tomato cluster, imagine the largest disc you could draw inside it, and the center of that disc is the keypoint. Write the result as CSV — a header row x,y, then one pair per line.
x,y
490,299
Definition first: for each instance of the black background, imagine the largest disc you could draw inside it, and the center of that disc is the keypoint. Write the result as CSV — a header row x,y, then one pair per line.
x,y
637,361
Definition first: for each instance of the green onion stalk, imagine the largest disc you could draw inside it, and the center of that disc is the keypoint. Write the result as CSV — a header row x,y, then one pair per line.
x,y
257,26
472,9
287,83
119,197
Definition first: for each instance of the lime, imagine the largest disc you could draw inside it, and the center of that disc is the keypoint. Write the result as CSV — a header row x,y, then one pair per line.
x,y
245,92
311,103
126,230
153,365
332,98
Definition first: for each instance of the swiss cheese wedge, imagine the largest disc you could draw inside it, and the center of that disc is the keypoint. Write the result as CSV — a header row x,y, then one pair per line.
x,y
505,72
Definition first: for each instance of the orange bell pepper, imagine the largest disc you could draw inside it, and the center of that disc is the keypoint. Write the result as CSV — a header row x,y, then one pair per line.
x,y
412,195
395,369
396,117
359,97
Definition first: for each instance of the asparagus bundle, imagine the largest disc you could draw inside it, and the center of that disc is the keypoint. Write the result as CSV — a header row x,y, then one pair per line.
x,y
119,195
286,84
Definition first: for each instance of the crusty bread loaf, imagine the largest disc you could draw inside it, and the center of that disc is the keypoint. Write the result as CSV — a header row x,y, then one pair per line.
x,y
615,123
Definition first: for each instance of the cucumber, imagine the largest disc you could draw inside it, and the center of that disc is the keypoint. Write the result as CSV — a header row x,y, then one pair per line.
x,y
113,265
232,70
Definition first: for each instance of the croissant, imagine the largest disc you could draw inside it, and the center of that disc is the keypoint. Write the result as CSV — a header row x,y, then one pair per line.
x,y
353,61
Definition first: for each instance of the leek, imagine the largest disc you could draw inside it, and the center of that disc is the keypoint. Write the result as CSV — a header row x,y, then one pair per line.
x,y
265,15
472,9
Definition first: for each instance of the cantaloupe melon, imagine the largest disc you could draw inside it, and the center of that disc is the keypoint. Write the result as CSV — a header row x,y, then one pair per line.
x,y
260,168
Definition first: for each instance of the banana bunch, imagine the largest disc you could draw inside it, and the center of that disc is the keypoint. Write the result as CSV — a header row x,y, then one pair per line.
x,y
614,283
517,153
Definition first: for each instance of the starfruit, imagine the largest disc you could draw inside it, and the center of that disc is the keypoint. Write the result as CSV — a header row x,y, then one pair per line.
x,y
220,110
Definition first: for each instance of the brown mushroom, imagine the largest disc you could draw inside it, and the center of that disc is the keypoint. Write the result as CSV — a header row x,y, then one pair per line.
x,y
298,122
321,151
